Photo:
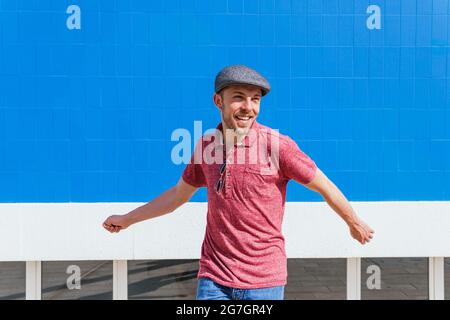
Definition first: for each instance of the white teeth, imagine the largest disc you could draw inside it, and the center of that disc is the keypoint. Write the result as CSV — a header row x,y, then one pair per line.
x,y
243,118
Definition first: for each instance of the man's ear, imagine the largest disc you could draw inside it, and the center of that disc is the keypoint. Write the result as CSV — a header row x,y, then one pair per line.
x,y
217,98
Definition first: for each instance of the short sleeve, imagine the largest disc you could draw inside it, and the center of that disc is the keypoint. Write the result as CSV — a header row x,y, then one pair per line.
x,y
193,173
295,164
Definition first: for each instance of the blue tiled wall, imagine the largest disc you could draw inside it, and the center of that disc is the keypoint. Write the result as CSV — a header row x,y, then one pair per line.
x,y
87,115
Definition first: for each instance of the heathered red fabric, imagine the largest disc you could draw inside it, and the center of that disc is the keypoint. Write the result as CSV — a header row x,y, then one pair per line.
x,y
243,245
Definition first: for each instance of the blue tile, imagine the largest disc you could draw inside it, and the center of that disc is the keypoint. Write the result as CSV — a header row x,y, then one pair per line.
x,y
125,67
92,184
408,7
251,6
439,56
189,29
60,124
360,62
390,126
330,62
331,127
9,62
298,27
283,6
437,160
328,159
60,152
440,6
421,155
267,30
345,62
94,153
391,62
314,61
390,156
157,23
331,7
314,93
251,33
360,186
9,5
422,93
315,31
408,27
266,6
360,6
361,33
345,155
345,27
424,7
298,61
77,192
376,62
315,7
188,6
13,27
439,30
172,6
414,124
405,155
423,62
235,6
438,93
393,24
375,125
361,93
299,92
77,155
375,156
329,26
407,185
283,35
423,35
330,89
360,125
283,62
407,62
109,186
346,6
438,124
299,7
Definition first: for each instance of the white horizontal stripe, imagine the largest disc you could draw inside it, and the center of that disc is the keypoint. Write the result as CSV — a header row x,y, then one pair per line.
x,y
73,231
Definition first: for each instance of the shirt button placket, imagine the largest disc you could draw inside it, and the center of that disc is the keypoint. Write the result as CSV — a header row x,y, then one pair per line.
x,y
227,182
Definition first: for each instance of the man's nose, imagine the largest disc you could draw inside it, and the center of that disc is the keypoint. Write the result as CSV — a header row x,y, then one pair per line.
x,y
247,105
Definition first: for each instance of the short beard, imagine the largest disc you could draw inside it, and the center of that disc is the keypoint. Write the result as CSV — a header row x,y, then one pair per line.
x,y
241,131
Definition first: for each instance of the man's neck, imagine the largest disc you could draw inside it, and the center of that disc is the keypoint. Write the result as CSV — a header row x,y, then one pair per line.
x,y
231,135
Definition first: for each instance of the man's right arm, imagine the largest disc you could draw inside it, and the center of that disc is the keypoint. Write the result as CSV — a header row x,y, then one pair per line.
x,y
165,203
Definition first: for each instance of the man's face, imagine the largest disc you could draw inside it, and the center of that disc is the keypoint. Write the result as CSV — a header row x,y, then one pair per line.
x,y
239,105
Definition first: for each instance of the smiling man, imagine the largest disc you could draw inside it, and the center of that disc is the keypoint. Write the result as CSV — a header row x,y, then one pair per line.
x,y
243,253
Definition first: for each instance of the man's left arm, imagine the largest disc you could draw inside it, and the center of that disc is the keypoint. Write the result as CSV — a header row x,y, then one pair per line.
x,y
337,201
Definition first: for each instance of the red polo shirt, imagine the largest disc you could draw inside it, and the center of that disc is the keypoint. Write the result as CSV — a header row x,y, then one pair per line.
x,y
243,245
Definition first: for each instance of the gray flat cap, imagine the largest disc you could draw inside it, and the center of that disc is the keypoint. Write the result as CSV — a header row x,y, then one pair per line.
x,y
240,74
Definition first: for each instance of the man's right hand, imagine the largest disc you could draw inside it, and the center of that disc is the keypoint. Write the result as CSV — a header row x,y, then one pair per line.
x,y
116,223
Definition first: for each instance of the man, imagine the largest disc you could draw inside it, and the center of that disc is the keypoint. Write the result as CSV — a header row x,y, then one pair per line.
x,y
243,252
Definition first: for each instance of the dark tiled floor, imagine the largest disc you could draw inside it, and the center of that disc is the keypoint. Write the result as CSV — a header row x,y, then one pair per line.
x,y
401,278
